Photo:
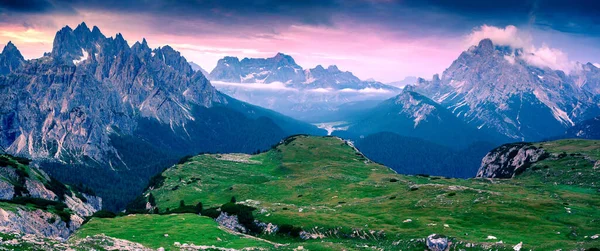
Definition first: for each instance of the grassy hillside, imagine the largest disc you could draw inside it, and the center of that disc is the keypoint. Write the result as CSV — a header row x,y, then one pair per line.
x,y
156,231
322,184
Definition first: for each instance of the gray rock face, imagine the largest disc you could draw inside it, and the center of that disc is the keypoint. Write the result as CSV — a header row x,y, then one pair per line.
x,y
231,222
509,160
91,205
36,189
34,183
437,243
37,222
7,190
492,88
63,106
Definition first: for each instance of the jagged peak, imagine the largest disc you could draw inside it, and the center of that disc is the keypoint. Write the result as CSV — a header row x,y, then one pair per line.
x,y
280,55
96,30
82,27
10,47
119,36
11,50
65,29
319,67
333,68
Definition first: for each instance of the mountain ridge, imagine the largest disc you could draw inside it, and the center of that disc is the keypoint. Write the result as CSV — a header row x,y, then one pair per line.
x,y
92,99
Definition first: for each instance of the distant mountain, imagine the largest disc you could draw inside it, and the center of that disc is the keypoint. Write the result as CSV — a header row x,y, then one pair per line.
x,y
494,89
107,111
197,67
279,83
280,68
412,114
410,80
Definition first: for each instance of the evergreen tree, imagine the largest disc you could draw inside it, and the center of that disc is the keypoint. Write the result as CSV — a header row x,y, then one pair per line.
x,y
233,199
181,203
152,200
199,207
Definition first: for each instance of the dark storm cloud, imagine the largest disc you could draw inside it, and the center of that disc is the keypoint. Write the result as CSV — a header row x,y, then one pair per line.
x,y
416,16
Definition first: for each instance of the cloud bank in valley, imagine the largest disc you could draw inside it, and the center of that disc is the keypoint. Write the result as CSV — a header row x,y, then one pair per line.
x,y
281,87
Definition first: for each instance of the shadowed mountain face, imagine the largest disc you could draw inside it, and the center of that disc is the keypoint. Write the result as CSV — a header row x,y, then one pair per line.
x,y
94,101
414,115
493,88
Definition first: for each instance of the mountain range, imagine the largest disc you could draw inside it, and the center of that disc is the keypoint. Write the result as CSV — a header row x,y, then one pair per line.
x,y
122,112
279,83
494,89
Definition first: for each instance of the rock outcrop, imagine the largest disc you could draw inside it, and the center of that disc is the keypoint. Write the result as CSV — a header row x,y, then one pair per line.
x,y
231,222
34,203
509,160
38,222
437,242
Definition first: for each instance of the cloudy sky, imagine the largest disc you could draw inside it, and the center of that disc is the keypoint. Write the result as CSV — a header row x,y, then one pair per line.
x,y
382,39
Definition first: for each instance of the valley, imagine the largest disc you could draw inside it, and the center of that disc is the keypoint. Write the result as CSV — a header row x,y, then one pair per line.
x,y
299,125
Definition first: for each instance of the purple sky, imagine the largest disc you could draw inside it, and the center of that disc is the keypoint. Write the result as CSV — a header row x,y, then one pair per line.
x,y
382,39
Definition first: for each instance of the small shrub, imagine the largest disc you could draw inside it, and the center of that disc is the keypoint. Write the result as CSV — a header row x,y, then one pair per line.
x,y
212,212
199,207
451,194
184,159
393,180
290,230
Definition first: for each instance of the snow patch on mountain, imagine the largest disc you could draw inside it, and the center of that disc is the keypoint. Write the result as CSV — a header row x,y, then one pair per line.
x,y
81,59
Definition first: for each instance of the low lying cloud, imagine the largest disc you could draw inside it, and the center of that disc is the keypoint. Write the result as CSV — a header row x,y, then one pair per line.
x,y
275,86
508,36
543,56
367,90
278,87
321,90
597,65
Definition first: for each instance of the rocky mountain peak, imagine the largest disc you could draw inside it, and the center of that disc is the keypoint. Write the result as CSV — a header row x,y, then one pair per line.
x,y
10,50
486,45
173,58
318,68
10,59
333,68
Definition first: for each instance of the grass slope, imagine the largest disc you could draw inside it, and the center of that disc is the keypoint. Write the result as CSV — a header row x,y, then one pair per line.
x,y
322,183
157,231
